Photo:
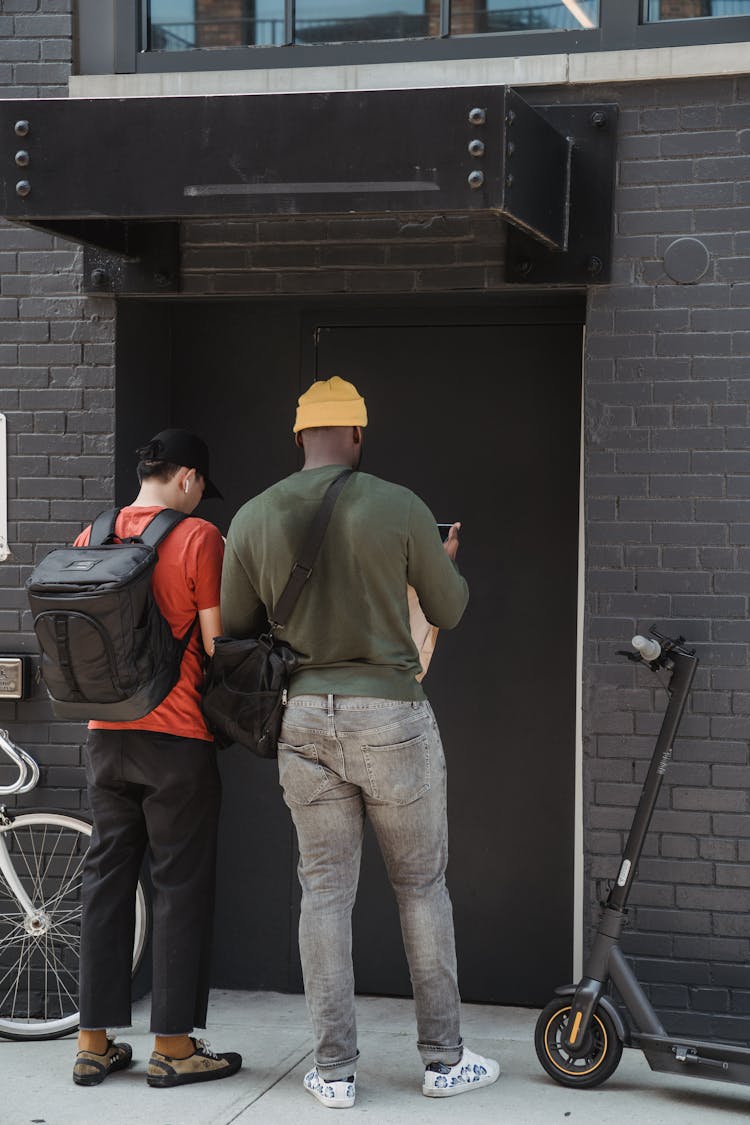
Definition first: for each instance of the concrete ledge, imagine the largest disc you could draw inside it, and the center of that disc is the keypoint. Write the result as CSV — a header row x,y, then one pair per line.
x,y
708,60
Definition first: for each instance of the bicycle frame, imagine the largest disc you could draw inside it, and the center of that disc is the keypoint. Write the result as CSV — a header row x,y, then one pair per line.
x,y
28,770
9,874
28,776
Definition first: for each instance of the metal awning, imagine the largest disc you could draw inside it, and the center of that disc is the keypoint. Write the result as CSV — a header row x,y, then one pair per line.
x,y
120,174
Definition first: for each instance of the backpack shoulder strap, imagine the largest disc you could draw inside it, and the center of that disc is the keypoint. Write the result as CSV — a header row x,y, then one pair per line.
x,y
160,526
103,528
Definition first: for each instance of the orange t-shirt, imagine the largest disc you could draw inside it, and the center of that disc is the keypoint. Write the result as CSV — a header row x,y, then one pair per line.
x,y
186,578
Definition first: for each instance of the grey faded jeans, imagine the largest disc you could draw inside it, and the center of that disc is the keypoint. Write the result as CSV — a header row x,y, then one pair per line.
x,y
342,758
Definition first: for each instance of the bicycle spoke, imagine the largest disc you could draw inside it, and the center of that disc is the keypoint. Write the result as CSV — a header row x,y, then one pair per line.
x,y
39,970
67,882
21,853
67,940
56,968
16,924
23,965
26,950
62,919
64,892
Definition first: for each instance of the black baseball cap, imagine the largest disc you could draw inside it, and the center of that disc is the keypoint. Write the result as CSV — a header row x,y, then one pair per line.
x,y
184,448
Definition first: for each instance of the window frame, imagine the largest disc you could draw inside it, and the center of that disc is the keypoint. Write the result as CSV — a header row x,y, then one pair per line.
x,y
621,27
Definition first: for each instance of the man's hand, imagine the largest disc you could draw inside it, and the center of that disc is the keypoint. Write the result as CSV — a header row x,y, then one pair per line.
x,y
451,543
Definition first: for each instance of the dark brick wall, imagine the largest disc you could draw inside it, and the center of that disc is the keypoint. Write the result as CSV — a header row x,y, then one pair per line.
x,y
343,255
56,390
667,512
667,473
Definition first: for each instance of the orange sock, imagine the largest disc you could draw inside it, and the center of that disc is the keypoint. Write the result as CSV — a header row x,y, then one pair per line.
x,y
94,1041
174,1046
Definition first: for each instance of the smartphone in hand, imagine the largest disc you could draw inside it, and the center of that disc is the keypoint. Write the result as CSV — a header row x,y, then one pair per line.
x,y
444,529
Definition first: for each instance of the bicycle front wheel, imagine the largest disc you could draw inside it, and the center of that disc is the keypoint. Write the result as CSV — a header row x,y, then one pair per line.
x,y
41,871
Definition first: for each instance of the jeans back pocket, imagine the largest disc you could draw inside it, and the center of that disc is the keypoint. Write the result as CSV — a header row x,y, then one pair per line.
x,y
301,775
399,772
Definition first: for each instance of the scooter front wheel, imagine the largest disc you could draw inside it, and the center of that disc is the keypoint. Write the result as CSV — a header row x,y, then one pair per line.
x,y
599,1055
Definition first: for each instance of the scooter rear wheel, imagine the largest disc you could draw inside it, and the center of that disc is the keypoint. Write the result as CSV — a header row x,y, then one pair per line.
x,y
599,1055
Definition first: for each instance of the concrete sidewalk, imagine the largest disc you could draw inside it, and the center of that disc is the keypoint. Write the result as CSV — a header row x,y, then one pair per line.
x,y
273,1035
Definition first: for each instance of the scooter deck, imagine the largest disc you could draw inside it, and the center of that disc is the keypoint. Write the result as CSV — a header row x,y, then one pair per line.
x,y
719,1062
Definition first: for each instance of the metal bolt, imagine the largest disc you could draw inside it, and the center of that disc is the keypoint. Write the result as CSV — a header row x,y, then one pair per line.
x,y
524,267
510,148
23,188
598,118
476,148
162,279
99,278
476,179
22,128
22,158
509,179
510,117
594,265
477,116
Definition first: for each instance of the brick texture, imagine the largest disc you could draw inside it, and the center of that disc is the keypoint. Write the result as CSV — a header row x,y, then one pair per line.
x,y
667,446
343,255
667,474
56,393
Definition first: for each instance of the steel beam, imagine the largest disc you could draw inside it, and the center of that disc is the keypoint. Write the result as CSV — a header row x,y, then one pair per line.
x,y
96,170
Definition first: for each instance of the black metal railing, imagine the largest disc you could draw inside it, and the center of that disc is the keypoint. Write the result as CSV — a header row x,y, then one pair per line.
x,y
187,35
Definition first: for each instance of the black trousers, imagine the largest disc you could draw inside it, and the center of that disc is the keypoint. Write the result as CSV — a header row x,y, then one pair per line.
x,y
161,792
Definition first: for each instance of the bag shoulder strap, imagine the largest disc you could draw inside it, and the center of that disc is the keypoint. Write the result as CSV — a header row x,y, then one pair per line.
x,y
154,533
103,528
303,568
157,529
160,526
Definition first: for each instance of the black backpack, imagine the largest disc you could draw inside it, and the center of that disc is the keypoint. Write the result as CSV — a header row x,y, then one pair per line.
x,y
107,651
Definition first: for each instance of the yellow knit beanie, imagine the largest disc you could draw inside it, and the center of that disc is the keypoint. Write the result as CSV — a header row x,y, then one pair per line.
x,y
330,402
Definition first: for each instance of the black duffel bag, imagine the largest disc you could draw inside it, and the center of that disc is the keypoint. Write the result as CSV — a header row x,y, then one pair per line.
x,y
246,681
245,691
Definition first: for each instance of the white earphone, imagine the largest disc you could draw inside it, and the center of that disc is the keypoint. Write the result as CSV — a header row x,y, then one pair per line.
x,y
187,486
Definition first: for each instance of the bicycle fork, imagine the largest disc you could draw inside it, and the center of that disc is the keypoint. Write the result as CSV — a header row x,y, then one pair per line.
x,y
34,921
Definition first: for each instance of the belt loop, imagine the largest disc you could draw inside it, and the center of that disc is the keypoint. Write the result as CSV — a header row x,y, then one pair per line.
x,y
330,705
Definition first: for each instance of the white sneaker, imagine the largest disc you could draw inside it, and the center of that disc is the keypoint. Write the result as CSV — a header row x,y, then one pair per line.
x,y
469,1073
334,1095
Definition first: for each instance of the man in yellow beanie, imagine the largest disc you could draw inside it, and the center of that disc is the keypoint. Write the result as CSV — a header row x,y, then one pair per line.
x,y
359,738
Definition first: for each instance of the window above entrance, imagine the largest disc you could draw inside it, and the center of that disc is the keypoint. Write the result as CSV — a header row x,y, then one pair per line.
x,y
162,36
186,25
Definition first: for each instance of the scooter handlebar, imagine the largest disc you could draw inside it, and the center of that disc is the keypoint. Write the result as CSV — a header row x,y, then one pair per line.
x,y
648,649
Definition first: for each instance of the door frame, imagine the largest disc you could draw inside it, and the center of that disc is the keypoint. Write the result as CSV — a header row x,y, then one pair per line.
x,y
543,308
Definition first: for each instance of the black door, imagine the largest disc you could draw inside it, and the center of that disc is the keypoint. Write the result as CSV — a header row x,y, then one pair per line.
x,y
481,418
483,422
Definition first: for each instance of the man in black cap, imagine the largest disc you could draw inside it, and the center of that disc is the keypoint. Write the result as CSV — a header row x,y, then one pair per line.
x,y
153,784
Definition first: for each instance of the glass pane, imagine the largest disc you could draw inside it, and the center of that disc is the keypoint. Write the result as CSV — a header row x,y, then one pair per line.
x,y
340,21
472,17
692,9
183,25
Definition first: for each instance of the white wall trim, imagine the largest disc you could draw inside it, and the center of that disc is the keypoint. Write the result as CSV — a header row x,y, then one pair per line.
x,y
578,869
703,61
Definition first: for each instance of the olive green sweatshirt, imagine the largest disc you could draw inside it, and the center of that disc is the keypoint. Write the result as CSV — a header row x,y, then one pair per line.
x,y
351,623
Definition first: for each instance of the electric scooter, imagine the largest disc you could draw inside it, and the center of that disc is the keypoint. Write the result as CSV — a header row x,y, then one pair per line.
x,y
580,1034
